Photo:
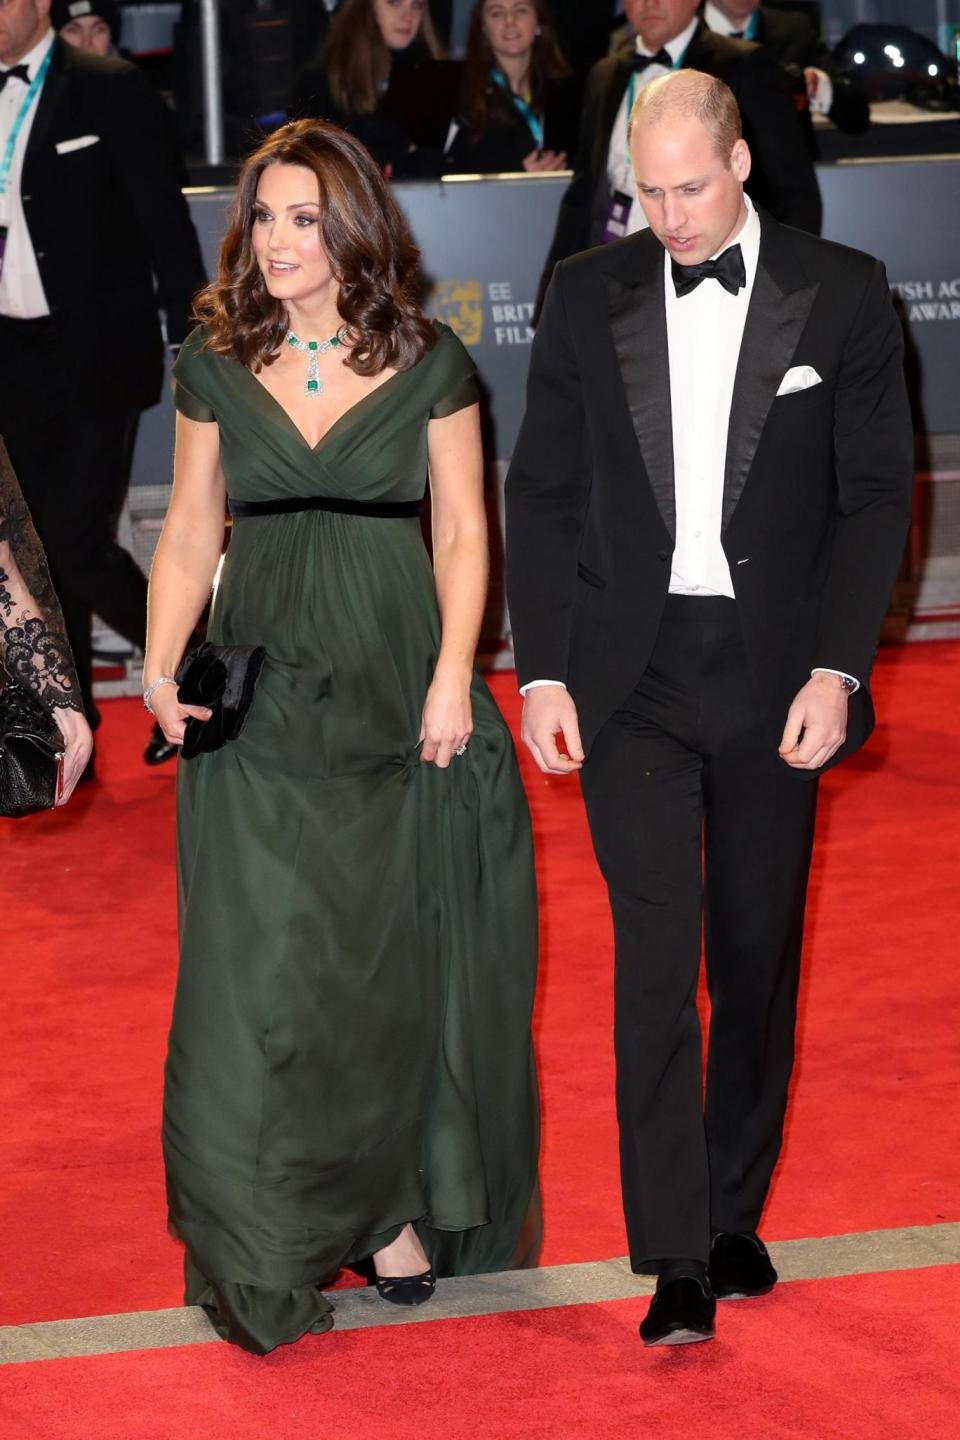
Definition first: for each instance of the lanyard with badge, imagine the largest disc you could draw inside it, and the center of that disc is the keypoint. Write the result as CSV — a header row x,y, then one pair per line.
x,y
534,122
621,203
6,162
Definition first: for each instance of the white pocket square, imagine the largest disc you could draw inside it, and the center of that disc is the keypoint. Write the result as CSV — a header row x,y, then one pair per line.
x,y
801,377
64,147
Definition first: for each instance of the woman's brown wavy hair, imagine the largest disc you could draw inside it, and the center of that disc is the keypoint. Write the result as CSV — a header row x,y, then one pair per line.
x,y
365,238
483,105
356,56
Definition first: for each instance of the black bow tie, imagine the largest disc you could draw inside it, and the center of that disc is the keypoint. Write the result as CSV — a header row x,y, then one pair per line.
x,y
16,72
728,268
640,62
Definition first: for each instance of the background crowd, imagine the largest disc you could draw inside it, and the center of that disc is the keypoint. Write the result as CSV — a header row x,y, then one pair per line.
x,y
429,86
456,85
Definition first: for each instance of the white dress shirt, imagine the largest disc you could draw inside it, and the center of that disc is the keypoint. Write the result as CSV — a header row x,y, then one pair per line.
x,y
21,289
619,165
704,331
820,102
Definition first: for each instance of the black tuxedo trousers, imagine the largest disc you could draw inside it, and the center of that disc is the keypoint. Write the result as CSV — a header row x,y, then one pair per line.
x,y
72,457
692,812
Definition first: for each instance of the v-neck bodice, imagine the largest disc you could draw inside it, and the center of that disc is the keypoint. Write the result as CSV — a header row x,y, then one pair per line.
x,y
331,428
376,450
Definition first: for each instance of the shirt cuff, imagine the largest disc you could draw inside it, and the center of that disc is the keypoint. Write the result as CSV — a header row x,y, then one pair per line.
x,y
825,670
536,684
822,102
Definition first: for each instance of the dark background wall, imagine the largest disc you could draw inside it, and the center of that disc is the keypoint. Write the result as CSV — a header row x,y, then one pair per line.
x,y
934,18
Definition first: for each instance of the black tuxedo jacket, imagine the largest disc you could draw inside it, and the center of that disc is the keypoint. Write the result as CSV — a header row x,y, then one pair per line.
x,y
792,40
817,484
782,179
113,237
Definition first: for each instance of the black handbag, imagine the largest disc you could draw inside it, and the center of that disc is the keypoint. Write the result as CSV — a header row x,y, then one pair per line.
x,y
31,754
222,678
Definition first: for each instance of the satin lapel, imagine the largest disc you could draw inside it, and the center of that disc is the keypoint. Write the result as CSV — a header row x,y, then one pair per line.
x,y
638,320
47,102
779,307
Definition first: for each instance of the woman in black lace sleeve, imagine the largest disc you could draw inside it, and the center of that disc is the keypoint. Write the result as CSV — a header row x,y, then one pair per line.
x,y
33,644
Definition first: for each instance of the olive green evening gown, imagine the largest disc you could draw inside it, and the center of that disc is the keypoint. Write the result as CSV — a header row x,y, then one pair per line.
x,y
350,1046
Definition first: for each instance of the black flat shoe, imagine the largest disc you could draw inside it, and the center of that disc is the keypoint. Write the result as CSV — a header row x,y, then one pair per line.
x,y
158,748
407,1289
740,1267
680,1314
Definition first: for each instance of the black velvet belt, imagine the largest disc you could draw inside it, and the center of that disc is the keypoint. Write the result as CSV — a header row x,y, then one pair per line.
x,y
383,509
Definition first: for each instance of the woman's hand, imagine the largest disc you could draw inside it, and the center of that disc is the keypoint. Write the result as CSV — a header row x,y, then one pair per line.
x,y
539,160
447,719
171,716
77,750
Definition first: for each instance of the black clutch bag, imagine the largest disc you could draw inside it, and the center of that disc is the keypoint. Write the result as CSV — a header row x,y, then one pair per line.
x,y
223,678
31,754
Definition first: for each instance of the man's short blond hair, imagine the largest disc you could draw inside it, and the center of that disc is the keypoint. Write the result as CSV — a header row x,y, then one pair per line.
x,y
690,94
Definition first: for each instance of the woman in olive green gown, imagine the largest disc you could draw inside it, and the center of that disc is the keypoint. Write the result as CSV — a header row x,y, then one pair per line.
x,y
350,1049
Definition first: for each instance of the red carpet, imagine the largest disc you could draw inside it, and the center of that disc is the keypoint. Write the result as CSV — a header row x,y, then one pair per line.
x,y
860,1358
89,951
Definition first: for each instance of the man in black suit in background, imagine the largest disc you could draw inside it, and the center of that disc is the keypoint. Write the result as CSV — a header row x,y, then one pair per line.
x,y
97,235
706,509
792,40
600,203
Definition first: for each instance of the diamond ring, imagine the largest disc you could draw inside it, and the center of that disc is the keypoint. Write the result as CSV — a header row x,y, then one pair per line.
x,y
461,750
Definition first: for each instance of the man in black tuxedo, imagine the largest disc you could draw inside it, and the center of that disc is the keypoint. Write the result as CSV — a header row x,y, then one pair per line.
x,y
97,236
600,203
706,509
791,38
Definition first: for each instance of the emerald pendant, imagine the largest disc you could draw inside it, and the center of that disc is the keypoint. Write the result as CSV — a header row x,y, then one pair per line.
x,y
313,349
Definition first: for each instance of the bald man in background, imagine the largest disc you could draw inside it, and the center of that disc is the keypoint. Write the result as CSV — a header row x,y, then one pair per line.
x,y
706,510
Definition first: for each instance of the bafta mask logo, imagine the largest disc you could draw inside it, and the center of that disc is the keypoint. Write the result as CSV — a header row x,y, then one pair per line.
x,y
459,303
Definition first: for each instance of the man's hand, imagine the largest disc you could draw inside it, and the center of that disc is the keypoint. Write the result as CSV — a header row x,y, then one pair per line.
x,y
549,711
820,713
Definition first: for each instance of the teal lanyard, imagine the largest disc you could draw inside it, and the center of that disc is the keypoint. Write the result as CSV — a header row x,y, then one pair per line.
x,y
533,120
632,89
24,111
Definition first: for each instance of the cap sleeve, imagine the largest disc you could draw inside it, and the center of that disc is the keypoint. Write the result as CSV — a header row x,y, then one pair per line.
x,y
188,379
457,386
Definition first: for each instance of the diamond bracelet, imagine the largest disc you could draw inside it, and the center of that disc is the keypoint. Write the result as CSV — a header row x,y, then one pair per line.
x,y
155,685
